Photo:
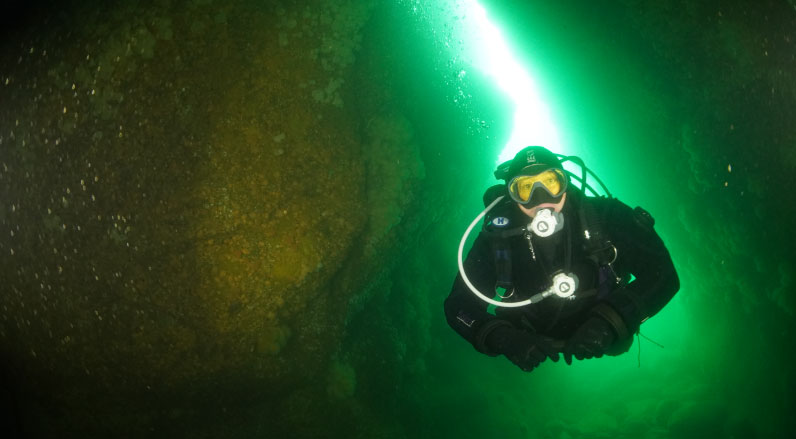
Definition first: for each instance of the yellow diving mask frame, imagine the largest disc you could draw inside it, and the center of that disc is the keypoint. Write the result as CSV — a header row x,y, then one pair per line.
x,y
522,187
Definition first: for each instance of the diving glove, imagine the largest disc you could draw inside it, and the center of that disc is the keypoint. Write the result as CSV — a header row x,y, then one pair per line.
x,y
591,340
522,348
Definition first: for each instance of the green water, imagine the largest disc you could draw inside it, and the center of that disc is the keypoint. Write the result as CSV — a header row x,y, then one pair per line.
x,y
240,219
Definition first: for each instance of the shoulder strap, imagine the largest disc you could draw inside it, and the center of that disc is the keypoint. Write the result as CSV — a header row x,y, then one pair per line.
x,y
593,214
501,223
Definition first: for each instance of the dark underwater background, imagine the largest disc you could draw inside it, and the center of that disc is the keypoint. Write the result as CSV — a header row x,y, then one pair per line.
x,y
240,219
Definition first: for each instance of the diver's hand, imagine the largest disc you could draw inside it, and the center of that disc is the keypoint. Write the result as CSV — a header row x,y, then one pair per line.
x,y
591,340
522,348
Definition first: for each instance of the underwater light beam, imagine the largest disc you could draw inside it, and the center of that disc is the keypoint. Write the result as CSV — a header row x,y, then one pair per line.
x,y
491,55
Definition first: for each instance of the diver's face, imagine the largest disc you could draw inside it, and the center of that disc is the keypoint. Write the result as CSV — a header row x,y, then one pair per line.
x,y
532,210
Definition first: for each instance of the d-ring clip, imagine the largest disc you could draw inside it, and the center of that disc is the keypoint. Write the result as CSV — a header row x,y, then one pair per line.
x,y
497,291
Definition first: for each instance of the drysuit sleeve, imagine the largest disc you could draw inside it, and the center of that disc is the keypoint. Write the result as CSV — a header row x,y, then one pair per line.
x,y
466,313
642,253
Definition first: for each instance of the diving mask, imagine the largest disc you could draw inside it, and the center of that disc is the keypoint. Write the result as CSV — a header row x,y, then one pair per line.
x,y
522,187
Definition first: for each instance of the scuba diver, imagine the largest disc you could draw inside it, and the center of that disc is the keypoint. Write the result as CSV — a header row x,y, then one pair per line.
x,y
567,273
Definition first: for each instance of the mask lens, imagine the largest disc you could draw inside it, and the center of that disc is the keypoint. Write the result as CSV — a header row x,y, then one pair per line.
x,y
522,187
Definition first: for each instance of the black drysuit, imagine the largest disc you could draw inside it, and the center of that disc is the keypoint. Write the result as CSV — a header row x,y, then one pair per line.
x,y
639,252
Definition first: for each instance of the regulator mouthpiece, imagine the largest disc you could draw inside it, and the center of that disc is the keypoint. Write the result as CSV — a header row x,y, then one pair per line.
x,y
564,285
546,222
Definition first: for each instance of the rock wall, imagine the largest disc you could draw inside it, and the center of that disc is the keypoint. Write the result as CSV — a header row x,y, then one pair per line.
x,y
190,206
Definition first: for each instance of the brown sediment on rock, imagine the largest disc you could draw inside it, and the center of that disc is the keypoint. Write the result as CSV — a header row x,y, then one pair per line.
x,y
177,228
